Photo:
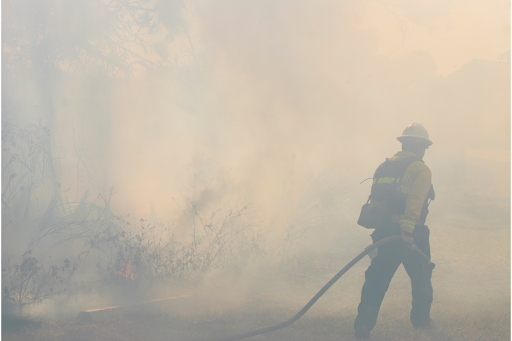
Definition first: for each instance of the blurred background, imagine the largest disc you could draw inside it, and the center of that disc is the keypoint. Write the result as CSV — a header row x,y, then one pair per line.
x,y
233,130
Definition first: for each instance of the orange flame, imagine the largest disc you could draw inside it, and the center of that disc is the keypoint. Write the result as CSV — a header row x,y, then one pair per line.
x,y
127,271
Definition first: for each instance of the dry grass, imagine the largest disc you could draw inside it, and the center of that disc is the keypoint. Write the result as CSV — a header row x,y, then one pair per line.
x,y
471,296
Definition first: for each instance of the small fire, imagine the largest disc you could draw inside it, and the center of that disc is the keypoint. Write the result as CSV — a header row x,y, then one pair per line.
x,y
127,271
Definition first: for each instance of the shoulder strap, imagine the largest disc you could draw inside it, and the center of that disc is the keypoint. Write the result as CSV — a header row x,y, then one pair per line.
x,y
390,172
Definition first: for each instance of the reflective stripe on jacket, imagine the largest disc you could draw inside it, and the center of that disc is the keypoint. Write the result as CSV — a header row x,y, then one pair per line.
x,y
415,184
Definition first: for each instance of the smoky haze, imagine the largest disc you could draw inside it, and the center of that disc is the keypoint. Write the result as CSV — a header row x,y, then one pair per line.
x,y
285,106
272,93
266,94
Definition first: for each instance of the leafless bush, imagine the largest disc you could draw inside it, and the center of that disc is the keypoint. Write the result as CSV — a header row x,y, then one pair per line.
x,y
70,245
141,252
27,169
153,252
30,281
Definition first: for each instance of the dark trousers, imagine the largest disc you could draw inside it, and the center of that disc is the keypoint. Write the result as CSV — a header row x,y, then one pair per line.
x,y
381,271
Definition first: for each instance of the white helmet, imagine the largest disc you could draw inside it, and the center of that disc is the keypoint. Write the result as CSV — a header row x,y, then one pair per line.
x,y
415,132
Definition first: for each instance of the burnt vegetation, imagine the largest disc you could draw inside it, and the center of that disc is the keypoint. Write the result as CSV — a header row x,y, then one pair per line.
x,y
77,247
61,241
66,237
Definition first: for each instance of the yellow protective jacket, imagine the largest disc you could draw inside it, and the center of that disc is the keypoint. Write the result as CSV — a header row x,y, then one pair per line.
x,y
415,185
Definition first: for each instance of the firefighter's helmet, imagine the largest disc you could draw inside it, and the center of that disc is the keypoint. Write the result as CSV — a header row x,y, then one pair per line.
x,y
415,132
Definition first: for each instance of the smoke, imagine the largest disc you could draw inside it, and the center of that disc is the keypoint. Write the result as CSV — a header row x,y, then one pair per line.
x,y
269,93
278,91
284,105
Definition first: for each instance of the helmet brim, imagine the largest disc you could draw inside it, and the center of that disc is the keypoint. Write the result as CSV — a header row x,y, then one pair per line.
x,y
415,139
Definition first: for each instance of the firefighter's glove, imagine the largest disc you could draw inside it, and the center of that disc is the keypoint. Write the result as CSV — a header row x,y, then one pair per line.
x,y
407,236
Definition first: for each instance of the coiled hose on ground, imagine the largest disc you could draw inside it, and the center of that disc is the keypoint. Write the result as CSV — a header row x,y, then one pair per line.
x,y
315,298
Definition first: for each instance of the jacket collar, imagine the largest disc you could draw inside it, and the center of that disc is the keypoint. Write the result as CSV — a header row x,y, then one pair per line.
x,y
402,155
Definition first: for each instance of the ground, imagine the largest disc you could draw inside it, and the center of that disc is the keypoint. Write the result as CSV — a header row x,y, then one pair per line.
x,y
470,241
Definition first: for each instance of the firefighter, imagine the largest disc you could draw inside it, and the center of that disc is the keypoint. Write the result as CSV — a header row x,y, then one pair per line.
x,y
408,202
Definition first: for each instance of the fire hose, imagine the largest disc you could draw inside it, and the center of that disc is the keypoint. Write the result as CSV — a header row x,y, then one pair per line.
x,y
319,294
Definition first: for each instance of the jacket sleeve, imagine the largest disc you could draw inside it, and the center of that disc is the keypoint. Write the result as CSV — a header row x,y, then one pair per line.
x,y
416,184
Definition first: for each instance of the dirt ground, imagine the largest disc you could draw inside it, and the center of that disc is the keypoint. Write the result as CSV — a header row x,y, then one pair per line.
x,y
470,245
